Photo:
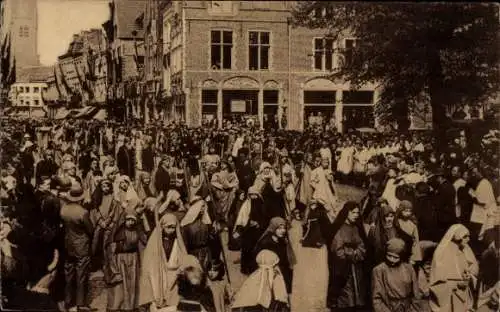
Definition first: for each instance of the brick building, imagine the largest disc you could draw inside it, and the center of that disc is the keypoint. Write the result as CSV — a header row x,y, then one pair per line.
x,y
243,58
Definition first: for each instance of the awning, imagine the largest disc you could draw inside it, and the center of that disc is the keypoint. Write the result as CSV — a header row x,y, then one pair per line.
x,y
82,112
101,115
37,114
61,113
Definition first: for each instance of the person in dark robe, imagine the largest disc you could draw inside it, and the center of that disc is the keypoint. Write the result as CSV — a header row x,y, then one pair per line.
x,y
125,244
195,295
348,286
47,167
444,200
125,159
312,253
104,214
162,176
275,239
244,171
394,282
199,234
382,231
148,161
249,226
27,161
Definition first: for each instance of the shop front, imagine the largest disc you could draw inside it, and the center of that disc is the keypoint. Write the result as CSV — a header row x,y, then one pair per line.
x,y
240,99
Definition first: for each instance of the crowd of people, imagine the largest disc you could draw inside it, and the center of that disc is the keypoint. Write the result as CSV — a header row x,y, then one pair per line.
x,y
155,209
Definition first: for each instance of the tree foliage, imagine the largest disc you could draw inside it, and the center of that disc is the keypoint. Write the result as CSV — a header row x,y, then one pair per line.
x,y
447,50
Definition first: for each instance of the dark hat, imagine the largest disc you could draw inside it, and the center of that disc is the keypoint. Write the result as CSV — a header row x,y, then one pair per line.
x,y
75,194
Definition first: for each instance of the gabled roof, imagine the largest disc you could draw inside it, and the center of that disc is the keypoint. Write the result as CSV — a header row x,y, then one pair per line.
x,y
127,12
34,74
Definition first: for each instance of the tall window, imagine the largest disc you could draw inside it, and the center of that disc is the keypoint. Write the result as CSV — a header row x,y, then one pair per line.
x,y
27,89
221,49
36,89
349,45
258,50
323,53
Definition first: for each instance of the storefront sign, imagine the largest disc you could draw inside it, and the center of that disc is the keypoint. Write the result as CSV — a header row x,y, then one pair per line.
x,y
238,106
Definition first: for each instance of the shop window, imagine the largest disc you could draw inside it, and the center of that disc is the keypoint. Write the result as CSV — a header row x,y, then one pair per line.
x,y
209,105
271,102
259,45
221,49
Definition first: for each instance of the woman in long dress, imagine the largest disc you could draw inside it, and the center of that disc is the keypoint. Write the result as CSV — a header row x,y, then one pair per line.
x,y
249,226
275,239
348,287
454,267
160,262
310,279
225,183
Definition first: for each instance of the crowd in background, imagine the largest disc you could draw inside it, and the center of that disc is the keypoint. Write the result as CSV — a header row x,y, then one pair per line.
x,y
155,209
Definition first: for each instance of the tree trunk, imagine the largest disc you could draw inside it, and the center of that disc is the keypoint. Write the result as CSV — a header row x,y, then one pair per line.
x,y
438,98
401,116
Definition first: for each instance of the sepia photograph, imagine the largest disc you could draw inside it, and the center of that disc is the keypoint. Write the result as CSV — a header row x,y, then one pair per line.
x,y
249,156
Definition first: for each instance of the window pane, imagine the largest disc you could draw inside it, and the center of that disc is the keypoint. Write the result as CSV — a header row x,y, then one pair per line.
x,y
216,36
209,109
264,57
349,43
264,38
319,97
270,96
253,57
357,97
209,96
253,37
328,60
318,56
318,44
226,59
216,57
329,44
228,37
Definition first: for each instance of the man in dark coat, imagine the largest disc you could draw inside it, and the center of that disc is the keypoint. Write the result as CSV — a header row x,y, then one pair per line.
x,y
47,167
445,203
78,232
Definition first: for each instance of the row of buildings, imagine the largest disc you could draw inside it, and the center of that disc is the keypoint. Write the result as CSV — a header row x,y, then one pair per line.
x,y
202,61
208,61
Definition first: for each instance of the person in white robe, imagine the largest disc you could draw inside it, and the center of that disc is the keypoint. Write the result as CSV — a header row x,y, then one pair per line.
x,y
454,269
324,188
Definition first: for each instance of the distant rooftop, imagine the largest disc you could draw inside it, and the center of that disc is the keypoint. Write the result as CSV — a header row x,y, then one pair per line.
x,y
34,74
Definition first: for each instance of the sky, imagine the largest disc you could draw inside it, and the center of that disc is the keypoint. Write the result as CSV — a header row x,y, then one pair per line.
x,y
58,20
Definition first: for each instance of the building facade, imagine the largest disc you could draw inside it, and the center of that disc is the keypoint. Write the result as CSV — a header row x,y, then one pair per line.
x,y
125,57
19,25
82,70
28,94
243,59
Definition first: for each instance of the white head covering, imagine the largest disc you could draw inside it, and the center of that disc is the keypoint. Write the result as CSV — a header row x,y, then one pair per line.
x,y
264,284
159,274
194,211
444,262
